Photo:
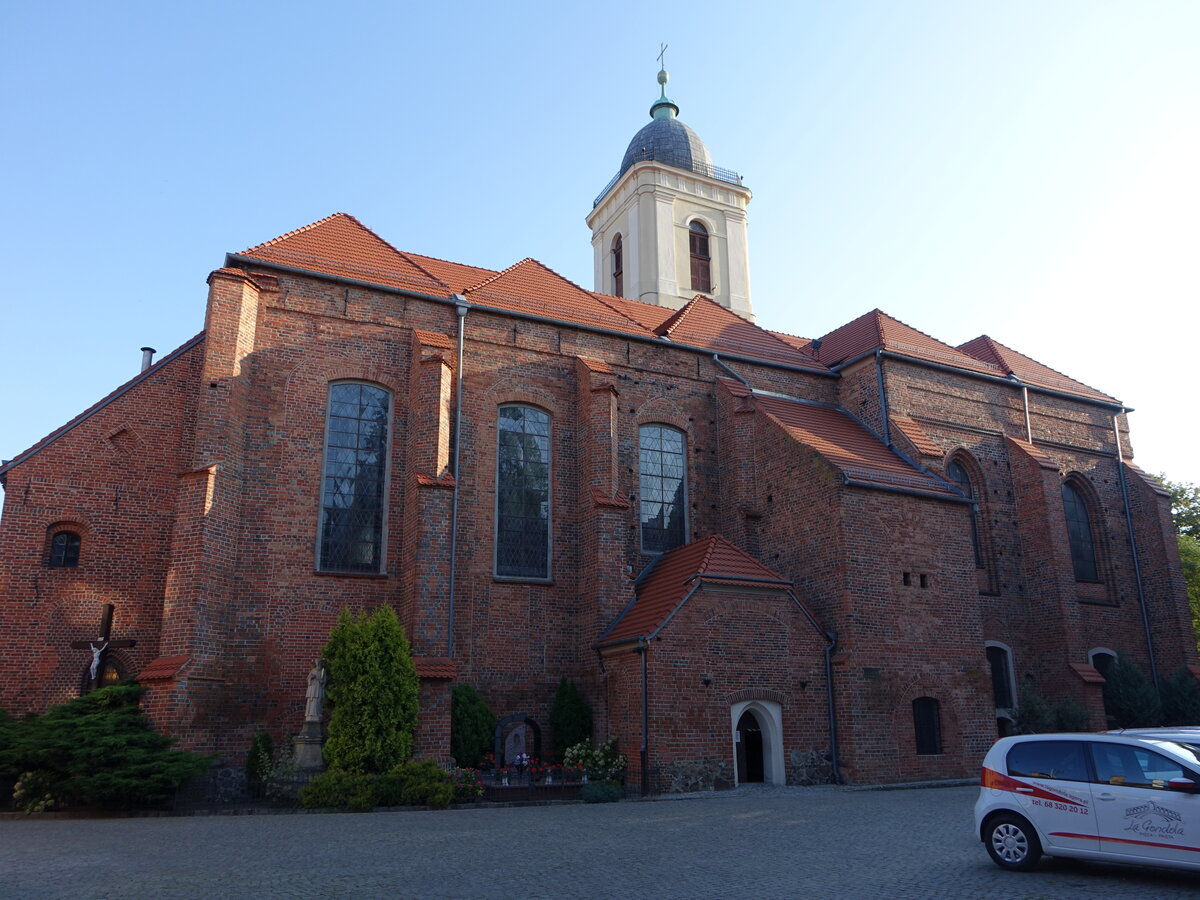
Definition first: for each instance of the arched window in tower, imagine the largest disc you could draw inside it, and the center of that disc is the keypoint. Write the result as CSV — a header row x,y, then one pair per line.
x,y
352,496
701,260
663,485
618,268
957,473
1080,534
64,549
523,493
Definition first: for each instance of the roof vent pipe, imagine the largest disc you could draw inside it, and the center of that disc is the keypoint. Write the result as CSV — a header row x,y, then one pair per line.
x,y
147,358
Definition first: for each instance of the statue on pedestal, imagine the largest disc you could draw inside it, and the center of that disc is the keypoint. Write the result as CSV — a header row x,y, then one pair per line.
x,y
308,742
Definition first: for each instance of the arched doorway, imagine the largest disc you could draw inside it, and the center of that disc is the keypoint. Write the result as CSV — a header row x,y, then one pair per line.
x,y
749,741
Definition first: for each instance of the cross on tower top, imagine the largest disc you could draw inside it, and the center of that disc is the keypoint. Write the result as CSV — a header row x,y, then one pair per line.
x,y
662,52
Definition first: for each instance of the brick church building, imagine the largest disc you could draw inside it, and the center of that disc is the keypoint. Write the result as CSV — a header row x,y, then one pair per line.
x,y
757,554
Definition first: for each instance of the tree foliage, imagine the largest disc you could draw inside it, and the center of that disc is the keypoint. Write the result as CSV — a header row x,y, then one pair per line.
x,y
1181,698
1189,553
1129,698
372,691
1185,506
570,717
472,726
96,750
1037,715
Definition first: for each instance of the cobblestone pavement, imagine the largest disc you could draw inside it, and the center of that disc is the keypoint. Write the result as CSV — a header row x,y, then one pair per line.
x,y
764,842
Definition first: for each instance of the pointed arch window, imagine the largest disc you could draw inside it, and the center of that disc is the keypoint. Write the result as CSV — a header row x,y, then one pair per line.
x,y
618,267
663,486
957,473
352,496
1080,534
701,259
523,493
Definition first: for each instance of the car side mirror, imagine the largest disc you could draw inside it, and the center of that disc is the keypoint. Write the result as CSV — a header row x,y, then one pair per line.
x,y
1183,785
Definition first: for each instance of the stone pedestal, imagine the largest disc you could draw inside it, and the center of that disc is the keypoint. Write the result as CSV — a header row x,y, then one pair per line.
x,y
308,743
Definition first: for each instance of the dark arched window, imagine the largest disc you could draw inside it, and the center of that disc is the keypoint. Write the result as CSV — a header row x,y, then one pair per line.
x,y
927,722
957,473
1079,533
663,484
701,260
523,493
64,550
352,497
618,267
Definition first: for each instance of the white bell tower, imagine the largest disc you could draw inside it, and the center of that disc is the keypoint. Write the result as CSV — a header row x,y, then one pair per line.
x,y
672,225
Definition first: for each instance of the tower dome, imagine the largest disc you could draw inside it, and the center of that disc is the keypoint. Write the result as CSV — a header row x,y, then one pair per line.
x,y
667,140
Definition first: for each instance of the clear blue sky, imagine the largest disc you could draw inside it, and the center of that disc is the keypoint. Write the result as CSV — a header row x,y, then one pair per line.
x,y
1027,170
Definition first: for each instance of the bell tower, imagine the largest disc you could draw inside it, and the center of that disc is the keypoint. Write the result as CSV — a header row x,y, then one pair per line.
x,y
670,224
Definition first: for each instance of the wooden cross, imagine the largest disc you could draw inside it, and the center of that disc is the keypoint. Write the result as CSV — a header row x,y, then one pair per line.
x,y
100,647
662,51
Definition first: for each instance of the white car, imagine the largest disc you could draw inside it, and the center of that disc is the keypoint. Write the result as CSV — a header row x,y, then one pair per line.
x,y
1119,798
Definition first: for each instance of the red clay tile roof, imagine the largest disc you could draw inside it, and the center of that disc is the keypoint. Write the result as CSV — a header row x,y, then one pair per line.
x,y
876,329
912,430
532,287
1088,673
705,323
341,245
800,343
1028,370
435,666
848,446
163,668
100,404
1032,452
675,574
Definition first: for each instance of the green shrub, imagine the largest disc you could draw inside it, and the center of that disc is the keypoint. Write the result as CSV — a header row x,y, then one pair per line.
x,y
96,750
373,693
260,758
1036,715
1181,699
1129,698
421,783
570,718
336,789
472,726
601,792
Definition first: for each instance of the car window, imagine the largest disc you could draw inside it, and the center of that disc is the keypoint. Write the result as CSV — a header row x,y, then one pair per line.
x,y
1122,764
1062,760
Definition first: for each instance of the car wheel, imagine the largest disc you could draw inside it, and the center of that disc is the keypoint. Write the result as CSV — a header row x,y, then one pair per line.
x,y
1012,843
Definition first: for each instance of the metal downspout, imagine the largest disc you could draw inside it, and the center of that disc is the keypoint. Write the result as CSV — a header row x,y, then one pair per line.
x,y
1137,566
830,646
460,306
1025,404
720,362
644,649
883,401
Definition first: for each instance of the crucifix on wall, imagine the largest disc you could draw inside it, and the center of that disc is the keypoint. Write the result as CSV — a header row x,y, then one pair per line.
x,y
99,648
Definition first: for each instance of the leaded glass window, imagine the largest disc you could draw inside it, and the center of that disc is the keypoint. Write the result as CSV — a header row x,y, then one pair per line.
x,y
356,440
663,485
1079,532
523,493
64,550
957,473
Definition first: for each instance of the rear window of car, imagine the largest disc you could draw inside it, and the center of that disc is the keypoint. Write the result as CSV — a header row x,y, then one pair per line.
x,y
1060,760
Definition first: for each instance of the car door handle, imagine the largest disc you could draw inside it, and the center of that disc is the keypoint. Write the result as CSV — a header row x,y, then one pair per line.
x,y
1024,790
1106,796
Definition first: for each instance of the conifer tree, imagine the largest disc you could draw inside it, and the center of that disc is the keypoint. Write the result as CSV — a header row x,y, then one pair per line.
x,y
373,693
570,717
